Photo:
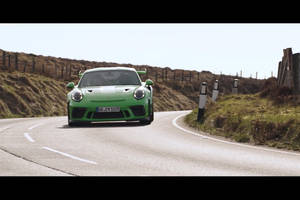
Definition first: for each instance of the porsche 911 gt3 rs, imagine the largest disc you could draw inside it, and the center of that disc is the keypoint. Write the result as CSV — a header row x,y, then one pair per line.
x,y
110,94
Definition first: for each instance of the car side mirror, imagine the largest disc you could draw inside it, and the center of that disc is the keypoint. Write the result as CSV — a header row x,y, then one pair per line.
x,y
70,85
149,82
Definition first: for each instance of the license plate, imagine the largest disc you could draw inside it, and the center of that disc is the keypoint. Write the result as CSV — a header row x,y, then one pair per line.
x,y
108,109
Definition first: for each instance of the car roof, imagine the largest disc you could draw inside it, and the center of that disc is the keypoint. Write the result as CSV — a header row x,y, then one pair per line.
x,y
109,68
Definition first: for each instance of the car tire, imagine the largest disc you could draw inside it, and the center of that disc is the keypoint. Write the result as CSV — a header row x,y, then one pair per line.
x,y
70,122
149,119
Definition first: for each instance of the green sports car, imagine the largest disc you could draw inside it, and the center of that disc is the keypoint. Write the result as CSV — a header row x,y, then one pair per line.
x,y
110,94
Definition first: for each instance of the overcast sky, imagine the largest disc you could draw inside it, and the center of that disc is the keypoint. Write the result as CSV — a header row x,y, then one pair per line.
x,y
226,48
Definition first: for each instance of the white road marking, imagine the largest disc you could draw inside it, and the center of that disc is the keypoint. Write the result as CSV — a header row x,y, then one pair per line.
x,y
4,128
34,126
28,137
70,156
227,142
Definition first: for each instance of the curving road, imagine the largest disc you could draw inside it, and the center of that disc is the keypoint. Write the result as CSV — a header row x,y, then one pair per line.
x,y
48,147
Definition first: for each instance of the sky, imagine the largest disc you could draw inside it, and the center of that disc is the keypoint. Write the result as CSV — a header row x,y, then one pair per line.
x,y
220,48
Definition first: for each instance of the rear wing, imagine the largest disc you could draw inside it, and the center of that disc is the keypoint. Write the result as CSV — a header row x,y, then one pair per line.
x,y
80,74
142,72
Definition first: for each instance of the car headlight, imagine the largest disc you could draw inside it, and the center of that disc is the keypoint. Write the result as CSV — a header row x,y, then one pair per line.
x,y
77,96
139,94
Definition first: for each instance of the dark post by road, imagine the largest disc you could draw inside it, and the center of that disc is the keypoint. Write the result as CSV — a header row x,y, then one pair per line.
x,y
235,86
202,102
182,78
215,91
190,76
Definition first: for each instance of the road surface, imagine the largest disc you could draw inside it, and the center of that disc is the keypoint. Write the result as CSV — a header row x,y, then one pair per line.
x,y
48,147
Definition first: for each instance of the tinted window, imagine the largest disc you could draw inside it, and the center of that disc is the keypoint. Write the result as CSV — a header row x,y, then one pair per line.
x,y
110,77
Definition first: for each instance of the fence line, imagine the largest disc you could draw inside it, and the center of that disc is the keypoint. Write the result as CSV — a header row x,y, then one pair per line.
x,y
68,70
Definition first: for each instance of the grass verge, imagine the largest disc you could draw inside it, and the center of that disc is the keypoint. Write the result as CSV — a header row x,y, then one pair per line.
x,y
251,119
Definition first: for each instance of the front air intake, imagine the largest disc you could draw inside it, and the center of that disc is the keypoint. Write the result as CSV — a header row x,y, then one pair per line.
x,y
138,110
78,112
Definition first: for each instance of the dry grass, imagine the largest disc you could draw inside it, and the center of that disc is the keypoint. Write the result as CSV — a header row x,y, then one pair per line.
x,y
29,95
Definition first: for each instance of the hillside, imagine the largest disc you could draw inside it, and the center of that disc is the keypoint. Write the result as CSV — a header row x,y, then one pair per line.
x,y
30,95
34,85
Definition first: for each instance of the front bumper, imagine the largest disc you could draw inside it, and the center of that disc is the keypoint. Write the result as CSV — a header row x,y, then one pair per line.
x,y
130,112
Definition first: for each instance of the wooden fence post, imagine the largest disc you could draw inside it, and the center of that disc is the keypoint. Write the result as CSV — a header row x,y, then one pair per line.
x,y
70,72
16,62
166,74
174,75
182,76
25,65
190,76
33,65
55,66
9,68
62,71
4,59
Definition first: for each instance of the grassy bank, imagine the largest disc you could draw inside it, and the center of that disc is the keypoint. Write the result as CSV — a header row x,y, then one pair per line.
x,y
253,119
30,95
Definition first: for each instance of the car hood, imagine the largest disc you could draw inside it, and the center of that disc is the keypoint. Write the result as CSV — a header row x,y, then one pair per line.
x,y
109,93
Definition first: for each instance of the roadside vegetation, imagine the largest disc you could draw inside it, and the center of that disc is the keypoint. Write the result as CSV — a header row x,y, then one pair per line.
x,y
270,117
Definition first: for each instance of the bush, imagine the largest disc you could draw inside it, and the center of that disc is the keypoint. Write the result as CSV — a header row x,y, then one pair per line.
x,y
277,94
219,121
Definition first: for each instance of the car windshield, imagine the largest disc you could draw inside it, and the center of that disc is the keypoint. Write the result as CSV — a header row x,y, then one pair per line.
x,y
109,77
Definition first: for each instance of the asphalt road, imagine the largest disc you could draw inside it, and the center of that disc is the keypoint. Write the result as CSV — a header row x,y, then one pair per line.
x,y
48,147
